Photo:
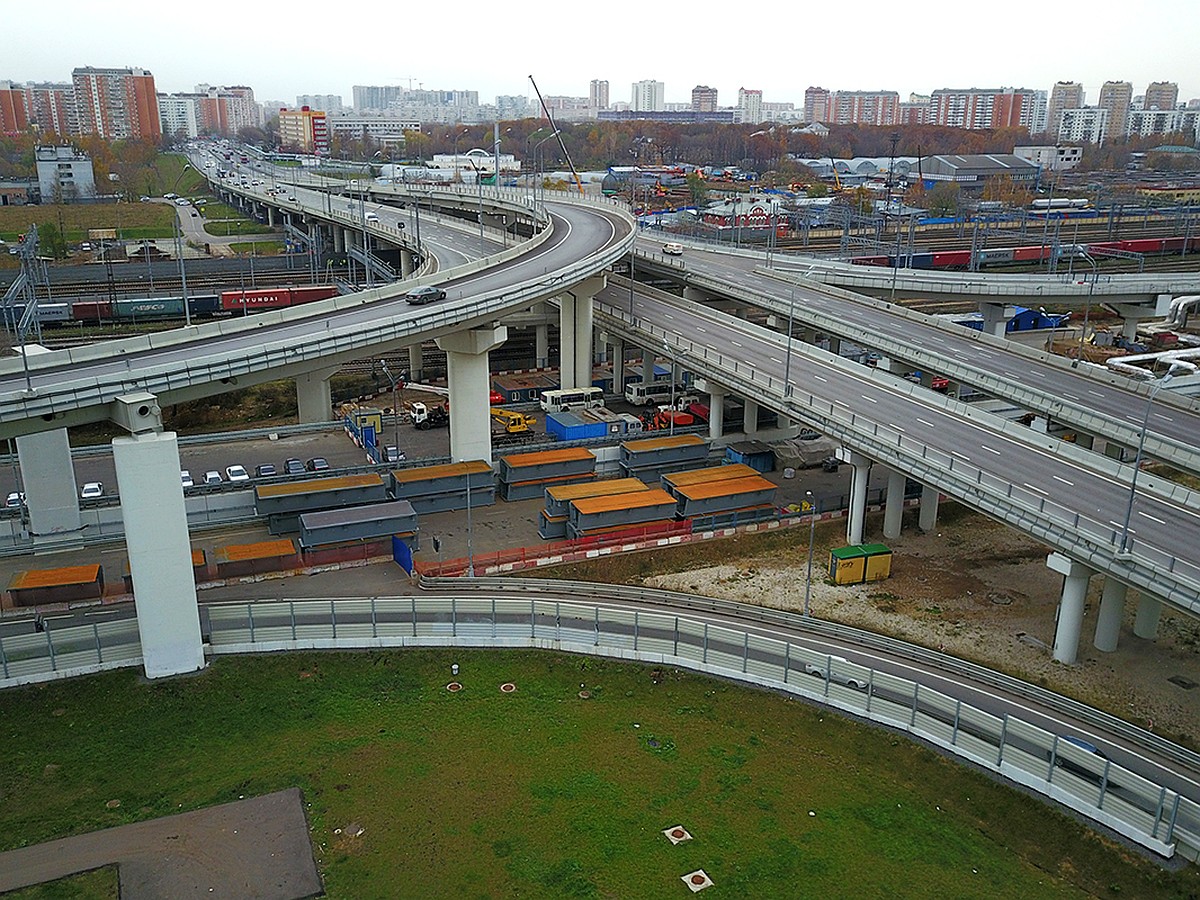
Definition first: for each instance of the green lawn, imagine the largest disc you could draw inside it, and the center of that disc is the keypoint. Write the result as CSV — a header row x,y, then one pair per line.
x,y
541,793
99,884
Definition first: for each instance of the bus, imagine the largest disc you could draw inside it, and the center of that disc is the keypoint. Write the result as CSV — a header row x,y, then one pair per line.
x,y
641,393
572,398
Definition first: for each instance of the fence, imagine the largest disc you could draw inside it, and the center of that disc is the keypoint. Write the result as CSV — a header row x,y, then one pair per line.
x,y
1142,810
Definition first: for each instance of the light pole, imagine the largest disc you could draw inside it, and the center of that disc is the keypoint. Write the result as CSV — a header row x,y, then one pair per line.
x,y
787,366
812,531
470,552
456,137
395,403
537,152
187,310
1176,366
1087,309
479,185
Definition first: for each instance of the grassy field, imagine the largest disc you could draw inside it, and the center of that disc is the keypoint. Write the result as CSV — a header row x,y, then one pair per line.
x,y
542,793
99,884
131,220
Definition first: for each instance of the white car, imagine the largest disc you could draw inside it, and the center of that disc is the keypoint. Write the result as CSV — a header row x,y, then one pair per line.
x,y
212,478
237,473
182,201
850,681
93,490
185,478
15,500
673,249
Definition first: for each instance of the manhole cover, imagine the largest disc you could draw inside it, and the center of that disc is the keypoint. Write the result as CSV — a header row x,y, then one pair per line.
x,y
454,687
584,695
507,688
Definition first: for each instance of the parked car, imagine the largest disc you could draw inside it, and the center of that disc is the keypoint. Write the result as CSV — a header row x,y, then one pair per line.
x,y
237,473
15,500
425,294
93,490
264,470
317,464
393,454
818,671
185,477
212,478
292,466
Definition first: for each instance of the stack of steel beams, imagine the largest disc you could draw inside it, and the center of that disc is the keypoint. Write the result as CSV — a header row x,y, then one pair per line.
x,y
446,487
358,523
525,476
596,515
283,503
651,458
552,523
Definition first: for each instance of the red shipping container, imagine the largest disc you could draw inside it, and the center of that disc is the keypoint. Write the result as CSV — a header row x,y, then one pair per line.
x,y
313,292
1030,254
951,258
91,311
235,301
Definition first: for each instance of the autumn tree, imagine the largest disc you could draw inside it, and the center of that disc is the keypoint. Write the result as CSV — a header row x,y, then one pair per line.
x,y
697,188
942,199
1003,189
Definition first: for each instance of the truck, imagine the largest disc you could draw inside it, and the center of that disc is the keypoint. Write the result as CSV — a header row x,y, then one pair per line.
x,y
426,417
513,422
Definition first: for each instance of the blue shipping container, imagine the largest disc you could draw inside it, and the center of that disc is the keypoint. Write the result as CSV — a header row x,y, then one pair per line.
x,y
566,426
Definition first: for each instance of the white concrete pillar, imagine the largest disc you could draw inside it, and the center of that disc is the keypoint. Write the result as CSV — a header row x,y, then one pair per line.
x,y
416,362
928,510
1145,623
566,342
406,266
339,240
694,294
583,340
1112,610
996,317
541,345
1083,441
618,366
893,366
313,396
857,514
835,345
48,480
1040,424
1070,607
160,555
893,508
271,216
749,417
470,386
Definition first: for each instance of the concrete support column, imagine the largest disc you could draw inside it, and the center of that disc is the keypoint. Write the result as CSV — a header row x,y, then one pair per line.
x,y
1070,607
892,366
835,345
1112,610
618,365
1083,441
313,396
566,342
1145,623
716,414
541,345
160,555
583,340
749,417
339,240
271,216
406,266
348,238
48,479
599,347
927,515
1040,424
416,362
470,386
996,317
893,507
694,294
857,514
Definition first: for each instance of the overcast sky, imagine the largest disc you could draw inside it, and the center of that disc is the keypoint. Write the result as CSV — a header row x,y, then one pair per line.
x,y
284,49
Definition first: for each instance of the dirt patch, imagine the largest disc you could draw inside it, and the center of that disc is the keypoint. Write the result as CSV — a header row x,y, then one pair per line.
x,y
981,591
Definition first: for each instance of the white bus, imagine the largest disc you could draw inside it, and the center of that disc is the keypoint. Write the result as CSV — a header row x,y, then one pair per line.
x,y
641,393
572,398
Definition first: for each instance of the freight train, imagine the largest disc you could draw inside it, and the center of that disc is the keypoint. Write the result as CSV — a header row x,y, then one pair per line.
x,y
961,259
155,309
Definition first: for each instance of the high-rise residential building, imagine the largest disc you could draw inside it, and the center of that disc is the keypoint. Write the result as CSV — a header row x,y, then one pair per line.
x,y
331,103
512,106
1149,122
749,106
368,96
598,94
817,104
704,98
179,115
1037,112
1064,95
865,108
1161,95
648,96
226,110
1088,124
14,113
981,108
1117,98
116,103
304,129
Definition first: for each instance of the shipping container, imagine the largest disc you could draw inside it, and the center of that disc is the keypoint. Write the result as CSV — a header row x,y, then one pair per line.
x,y
951,259
236,301
311,293
205,304
150,308
91,310
920,261
1030,254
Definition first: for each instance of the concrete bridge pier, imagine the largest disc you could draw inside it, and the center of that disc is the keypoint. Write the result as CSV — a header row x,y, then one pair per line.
x,y
749,417
857,514
928,509
339,239
313,397
1145,623
1070,607
996,317
716,406
470,386
416,362
618,365
1132,313
156,537
48,480
566,341
1112,610
271,216
893,506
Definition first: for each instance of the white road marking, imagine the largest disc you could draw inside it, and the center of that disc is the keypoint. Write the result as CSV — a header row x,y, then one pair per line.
x,y
735,343
868,399
1152,518
989,449
1070,396
1095,393
840,403
774,360
895,427
960,455
819,378
923,422
1063,480
1036,490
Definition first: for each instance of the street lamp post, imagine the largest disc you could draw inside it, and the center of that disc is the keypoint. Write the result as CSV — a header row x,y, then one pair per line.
x,y
456,138
470,551
187,311
812,531
1087,309
1176,366
479,185
787,366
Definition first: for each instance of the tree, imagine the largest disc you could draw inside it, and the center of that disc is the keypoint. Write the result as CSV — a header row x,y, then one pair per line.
x,y
942,199
817,189
1003,189
51,241
697,188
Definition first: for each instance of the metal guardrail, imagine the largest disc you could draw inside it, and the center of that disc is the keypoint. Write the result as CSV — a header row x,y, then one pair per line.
x,y
1146,812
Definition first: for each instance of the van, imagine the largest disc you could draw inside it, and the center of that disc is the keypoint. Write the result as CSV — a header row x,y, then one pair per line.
x,y
371,217
672,249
